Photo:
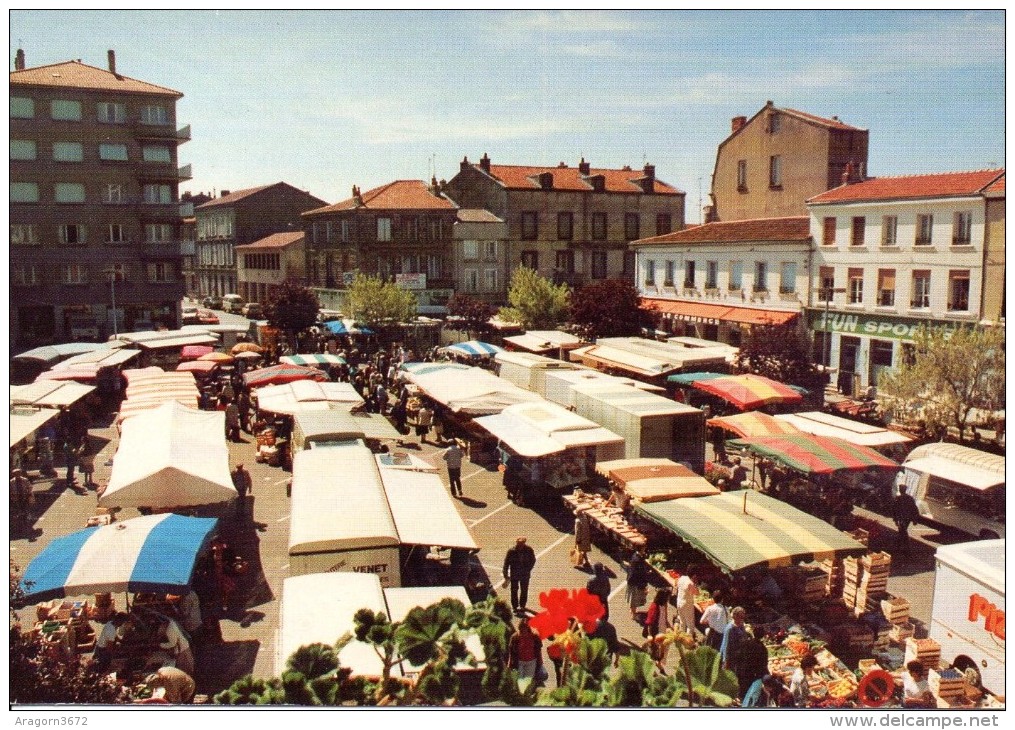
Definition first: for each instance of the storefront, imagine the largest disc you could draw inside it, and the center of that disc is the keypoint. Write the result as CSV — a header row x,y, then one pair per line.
x,y
717,322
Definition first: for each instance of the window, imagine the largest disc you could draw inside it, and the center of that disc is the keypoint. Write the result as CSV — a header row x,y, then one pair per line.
x,y
24,192
742,175
68,152
958,291
886,287
158,232
630,260
598,264
881,353
160,272
787,277
599,226
650,273
22,107
23,149
774,123
156,153
109,151
632,226
530,260
154,114
158,194
434,266
859,229
24,234
711,274
828,231
855,286
775,171
564,261
889,230
470,250
530,225
75,274
472,280
344,231
689,274
115,233
24,275
826,280
565,226
962,229
489,250
383,229
112,193
117,273
65,111
924,230
760,276
921,290
668,273
69,192
490,279
111,113
736,275
664,223
72,233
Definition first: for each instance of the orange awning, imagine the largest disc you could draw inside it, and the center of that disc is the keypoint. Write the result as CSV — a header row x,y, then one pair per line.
x,y
712,313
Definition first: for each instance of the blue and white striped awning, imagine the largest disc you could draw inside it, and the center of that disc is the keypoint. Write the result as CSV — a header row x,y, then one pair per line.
x,y
314,358
474,348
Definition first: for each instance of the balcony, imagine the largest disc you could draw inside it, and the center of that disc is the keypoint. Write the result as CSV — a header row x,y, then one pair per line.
x,y
161,132
164,249
165,171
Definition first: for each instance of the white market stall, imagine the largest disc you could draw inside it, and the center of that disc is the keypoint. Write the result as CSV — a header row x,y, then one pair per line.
x,y
24,422
49,393
306,395
472,392
314,429
171,456
559,385
544,341
817,423
423,511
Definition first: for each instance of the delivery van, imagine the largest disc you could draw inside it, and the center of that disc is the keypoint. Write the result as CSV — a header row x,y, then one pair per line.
x,y
232,303
967,618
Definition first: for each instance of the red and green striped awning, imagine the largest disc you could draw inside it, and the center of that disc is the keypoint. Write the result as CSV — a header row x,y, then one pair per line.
x,y
814,454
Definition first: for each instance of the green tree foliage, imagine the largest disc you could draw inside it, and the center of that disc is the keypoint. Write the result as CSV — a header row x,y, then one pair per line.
x,y
536,302
780,352
608,308
292,308
473,314
379,303
951,375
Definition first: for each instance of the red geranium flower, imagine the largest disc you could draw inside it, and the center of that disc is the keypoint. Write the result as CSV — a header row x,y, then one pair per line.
x,y
561,605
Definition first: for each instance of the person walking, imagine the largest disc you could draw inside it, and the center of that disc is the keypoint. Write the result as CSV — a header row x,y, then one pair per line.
x,y
243,483
687,594
599,586
518,564
71,451
752,664
87,465
637,583
904,513
525,654
232,421
21,495
424,420
582,540
734,635
453,458
657,621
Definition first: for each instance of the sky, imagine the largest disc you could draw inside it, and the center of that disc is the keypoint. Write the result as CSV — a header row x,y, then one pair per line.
x,y
325,100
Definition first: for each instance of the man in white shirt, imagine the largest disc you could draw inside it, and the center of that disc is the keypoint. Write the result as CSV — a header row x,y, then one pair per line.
x,y
915,690
453,457
687,592
714,618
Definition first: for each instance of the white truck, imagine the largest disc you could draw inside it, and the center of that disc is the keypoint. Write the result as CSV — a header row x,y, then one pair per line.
x,y
967,617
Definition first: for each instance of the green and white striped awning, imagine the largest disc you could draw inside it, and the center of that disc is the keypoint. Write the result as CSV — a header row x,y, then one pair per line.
x,y
314,358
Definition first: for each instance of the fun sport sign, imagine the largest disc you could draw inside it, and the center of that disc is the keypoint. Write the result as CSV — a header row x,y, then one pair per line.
x,y
873,326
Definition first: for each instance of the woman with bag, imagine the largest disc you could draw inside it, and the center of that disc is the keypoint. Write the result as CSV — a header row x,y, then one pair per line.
x,y
525,655
582,541
637,583
657,620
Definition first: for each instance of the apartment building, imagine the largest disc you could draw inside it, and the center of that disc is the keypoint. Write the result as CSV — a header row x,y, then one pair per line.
x,y
236,218
717,280
264,265
773,162
94,211
571,224
894,253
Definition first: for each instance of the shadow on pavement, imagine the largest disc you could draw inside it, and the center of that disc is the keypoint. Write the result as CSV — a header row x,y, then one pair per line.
x,y
219,665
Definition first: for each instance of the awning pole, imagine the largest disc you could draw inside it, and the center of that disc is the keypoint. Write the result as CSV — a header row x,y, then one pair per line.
x,y
745,502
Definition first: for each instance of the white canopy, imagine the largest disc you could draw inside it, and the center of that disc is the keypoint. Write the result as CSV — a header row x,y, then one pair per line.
x,y
306,395
337,425
100,358
25,422
825,424
168,338
52,393
538,429
543,340
402,600
171,456
956,463
423,511
473,392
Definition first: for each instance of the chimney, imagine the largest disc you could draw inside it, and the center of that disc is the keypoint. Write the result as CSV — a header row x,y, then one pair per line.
x,y
708,214
546,180
111,54
849,174
737,124
224,193
584,167
648,181
484,163
19,60
464,164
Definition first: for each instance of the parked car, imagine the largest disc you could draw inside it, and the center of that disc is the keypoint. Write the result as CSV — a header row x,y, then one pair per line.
x,y
191,315
232,303
252,310
206,316
212,302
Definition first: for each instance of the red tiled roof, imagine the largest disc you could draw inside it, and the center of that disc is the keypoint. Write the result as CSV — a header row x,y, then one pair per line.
x,y
796,228
397,195
996,187
477,215
831,123
276,240
79,75
937,185
234,197
522,177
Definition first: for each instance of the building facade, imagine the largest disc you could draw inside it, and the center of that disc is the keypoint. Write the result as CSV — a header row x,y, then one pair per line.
x,y
238,218
480,263
263,266
773,162
571,224
715,281
95,222
894,253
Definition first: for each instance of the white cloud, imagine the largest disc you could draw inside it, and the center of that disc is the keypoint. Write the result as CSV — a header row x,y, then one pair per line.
x,y
569,22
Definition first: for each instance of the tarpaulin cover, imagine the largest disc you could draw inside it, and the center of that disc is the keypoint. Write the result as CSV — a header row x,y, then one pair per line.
x,y
815,454
51,354
765,532
817,423
474,348
661,482
748,391
753,423
304,395
49,393
473,392
276,374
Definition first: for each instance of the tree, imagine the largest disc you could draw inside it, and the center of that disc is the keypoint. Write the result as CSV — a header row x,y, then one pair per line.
x,y
607,308
292,308
951,375
780,352
379,303
473,315
536,302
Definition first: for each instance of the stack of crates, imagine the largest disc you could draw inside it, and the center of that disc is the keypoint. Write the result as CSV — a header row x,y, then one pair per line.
x,y
947,684
866,581
896,610
833,577
925,651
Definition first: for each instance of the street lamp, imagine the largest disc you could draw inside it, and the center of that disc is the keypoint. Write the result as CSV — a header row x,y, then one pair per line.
x,y
827,293
112,272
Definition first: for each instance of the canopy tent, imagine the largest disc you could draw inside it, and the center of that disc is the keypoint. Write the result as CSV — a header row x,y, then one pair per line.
x,y
338,425
412,369
197,366
346,327
971,467
692,378
659,481
24,422
817,423
171,456
49,394
78,374
423,511
152,554
276,374
305,395
616,359
311,359
544,340
192,352
541,428
165,339
474,348
221,358
815,454
246,347
150,388
747,529
753,423
112,356
749,391
52,354
472,392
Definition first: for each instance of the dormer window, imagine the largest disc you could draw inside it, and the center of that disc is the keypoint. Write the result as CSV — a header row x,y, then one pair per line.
x,y
598,183
774,123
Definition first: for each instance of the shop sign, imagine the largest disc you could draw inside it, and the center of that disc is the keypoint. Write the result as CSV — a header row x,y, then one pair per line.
x,y
413,282
880,327
692,318
993,617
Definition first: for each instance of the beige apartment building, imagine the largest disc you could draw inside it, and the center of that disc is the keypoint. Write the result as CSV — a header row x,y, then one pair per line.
x,y
264,265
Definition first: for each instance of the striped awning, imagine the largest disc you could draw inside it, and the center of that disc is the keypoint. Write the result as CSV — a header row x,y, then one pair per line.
x,y
474,348
311,359
749,391
692,378
753,423
815,454
748,529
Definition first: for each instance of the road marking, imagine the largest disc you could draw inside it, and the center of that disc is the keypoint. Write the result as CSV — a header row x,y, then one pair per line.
x,y
554,544
285,567
491,514
618,589
282,519
478,471
280,481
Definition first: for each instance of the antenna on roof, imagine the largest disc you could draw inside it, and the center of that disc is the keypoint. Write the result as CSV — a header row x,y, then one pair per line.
x,y
701,214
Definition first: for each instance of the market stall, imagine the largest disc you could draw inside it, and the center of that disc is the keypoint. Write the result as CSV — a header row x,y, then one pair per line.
x,y
817,423
278,374
49,394
319,428
150,388
313,359
471,392
473,349
753,423
748,392
304,395
655,482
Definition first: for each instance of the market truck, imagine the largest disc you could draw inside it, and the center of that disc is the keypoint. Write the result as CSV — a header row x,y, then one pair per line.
x,y
967,617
